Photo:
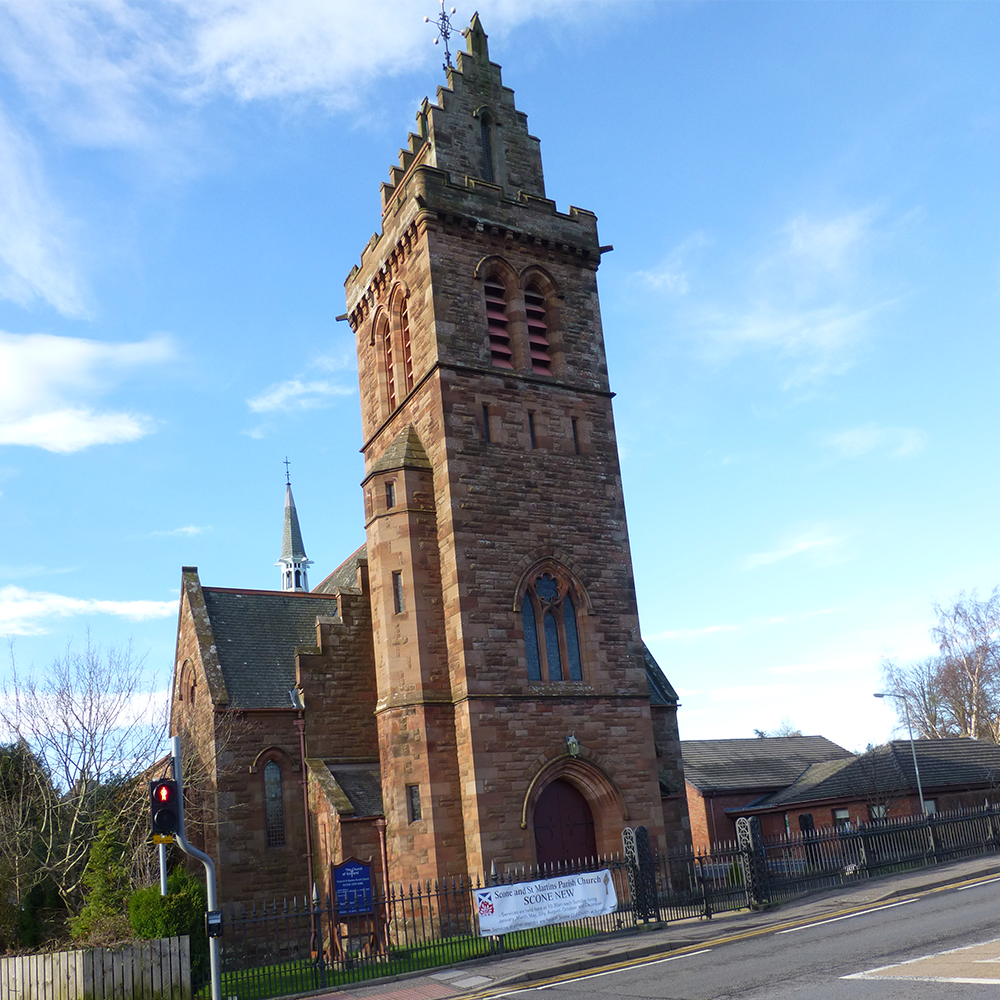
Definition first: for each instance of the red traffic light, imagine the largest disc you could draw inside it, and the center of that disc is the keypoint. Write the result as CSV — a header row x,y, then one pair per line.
x,y
164,807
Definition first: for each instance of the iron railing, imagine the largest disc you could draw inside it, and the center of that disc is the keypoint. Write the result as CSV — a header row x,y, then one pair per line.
x,y
293,946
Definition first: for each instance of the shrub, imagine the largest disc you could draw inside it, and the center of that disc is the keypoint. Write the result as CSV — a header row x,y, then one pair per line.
x,y
181,911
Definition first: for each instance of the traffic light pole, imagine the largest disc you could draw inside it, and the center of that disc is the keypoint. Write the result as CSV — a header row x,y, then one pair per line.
x,y
213,898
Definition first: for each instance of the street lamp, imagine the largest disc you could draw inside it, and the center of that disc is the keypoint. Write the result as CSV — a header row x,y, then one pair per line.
x,y
913,749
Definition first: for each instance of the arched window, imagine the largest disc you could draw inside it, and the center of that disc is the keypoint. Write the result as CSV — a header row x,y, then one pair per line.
x,y
538,330
274,805
390,374
501,352
551,639
404,331
484,135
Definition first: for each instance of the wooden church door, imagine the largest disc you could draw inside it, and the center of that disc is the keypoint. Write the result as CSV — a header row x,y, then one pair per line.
x,y
564,825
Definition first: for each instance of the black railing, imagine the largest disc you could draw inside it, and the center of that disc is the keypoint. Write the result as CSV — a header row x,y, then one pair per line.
x,y
276,949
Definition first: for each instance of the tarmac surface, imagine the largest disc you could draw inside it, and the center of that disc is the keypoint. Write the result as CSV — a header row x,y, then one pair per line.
x,y
490,975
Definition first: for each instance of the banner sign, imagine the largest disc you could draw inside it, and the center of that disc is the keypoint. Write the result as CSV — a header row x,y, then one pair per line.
x,y
524,905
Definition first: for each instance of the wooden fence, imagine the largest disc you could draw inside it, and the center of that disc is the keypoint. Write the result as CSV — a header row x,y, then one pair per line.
x,y
143,970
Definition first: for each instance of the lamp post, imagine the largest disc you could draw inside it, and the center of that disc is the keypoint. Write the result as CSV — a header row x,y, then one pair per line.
x,y
913,749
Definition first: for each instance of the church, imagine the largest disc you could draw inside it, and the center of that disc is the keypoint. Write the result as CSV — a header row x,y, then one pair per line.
x,y
469,688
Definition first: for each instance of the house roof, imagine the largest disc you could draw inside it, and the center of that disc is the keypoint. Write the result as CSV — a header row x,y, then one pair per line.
x,y
764,764
955,764
362,784
256,633
661,691
345,576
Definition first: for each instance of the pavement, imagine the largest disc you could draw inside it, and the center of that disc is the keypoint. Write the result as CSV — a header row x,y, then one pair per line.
x,y
488,975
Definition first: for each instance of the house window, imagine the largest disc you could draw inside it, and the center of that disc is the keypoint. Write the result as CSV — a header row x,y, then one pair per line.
x,y
930,806
551,640
531,429
390,495
576,438
842,818
413,803
496,320
397,592
486,423
404,327
876,811
538,331
274,806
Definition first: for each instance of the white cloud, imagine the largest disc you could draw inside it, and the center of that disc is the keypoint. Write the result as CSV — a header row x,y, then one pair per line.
x,y
45,382
809,304
828,243
34,260
297,395
815,540
188,531
671,274
24,612
899,442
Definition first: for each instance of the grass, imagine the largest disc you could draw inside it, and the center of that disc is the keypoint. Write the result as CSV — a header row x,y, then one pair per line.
x,y
301,976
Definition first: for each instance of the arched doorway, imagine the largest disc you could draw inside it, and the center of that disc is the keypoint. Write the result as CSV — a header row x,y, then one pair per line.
x,y
564,824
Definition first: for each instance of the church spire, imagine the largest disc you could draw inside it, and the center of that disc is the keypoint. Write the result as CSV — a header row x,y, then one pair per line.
x,y
293,561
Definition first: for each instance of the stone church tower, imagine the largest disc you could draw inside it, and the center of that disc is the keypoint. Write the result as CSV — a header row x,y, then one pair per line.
x,y
514,715
470,687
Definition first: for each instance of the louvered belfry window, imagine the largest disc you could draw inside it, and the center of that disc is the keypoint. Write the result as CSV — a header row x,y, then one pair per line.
x,y
274,806
496,319
538,331
404,326
390,374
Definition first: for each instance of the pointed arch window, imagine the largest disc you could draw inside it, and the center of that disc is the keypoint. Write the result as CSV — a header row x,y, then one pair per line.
x,y
274,805
390,374
551,637
538,330
501,352
404,329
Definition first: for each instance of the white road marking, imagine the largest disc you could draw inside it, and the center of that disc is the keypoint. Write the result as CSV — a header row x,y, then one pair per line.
x,y
597,975
874,973
978,884
847,916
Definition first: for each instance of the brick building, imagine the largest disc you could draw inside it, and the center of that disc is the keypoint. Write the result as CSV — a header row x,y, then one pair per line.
x,y
470,687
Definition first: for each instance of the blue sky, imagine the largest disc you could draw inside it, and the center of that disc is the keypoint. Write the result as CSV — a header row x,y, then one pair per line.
x,y
801,311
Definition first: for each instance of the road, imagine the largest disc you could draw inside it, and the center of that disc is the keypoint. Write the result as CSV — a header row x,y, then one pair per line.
x,y
923,940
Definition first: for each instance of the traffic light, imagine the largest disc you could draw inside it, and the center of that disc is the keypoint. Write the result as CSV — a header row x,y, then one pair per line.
x,y
164,807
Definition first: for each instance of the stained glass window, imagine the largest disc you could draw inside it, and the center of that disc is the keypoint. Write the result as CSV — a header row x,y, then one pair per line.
x,y
551,638
274,806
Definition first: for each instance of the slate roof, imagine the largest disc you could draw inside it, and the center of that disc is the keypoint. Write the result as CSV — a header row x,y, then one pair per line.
x,y
362,784
661,691
956,765
345,576
256,632
765,764
291,540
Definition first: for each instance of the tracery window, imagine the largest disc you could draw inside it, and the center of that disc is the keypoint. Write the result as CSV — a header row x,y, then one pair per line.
x,y
274,805
538,330
496,320
551,637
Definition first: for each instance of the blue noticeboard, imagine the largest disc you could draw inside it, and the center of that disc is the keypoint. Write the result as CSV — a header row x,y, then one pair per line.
x,y
352,887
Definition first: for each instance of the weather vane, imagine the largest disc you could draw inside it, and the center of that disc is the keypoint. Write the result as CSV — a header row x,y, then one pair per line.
x,y
443,22
288,478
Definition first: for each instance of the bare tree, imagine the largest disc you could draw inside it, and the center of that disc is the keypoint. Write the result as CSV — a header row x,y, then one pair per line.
x,y
94,728
957,692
